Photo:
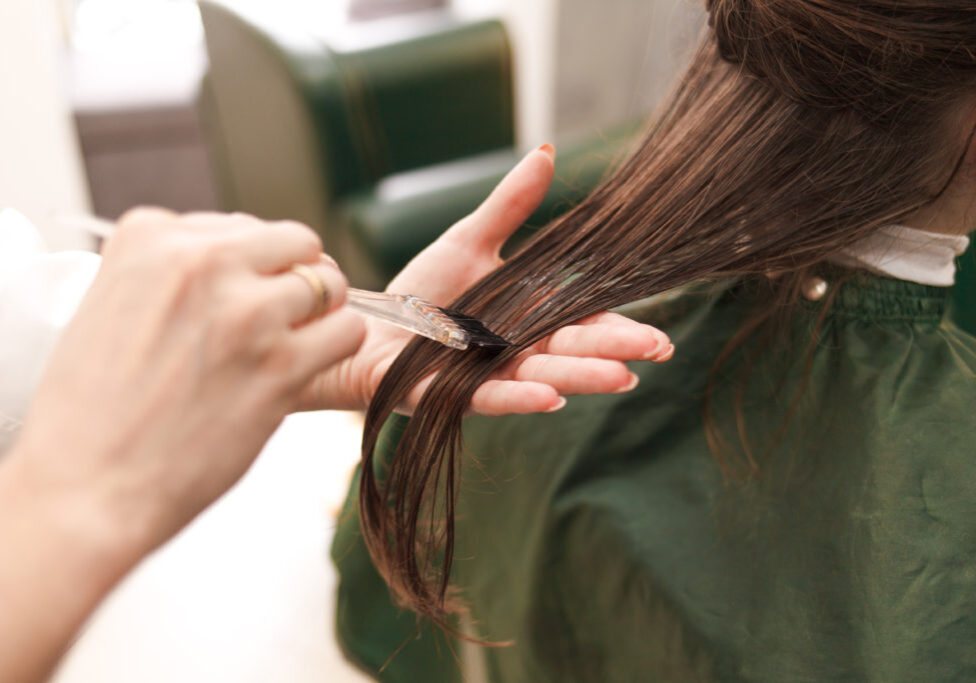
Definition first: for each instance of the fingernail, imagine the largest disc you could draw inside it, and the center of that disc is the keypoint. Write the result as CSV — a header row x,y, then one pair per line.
x,y
548,150
630,386
652,353
325,258
559,405
667,355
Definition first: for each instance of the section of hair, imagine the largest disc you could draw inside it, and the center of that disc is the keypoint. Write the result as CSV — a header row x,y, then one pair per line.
x,y
768,159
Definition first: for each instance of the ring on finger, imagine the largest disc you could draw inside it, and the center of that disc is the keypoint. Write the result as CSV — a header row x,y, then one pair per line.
x,y
319,288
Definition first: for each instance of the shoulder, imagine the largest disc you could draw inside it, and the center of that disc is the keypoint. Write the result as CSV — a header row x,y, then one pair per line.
x,y
600,614
927,383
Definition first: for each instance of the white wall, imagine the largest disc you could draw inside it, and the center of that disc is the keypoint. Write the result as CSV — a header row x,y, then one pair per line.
x,y
533,26
583,65
40,167
532,29
616,59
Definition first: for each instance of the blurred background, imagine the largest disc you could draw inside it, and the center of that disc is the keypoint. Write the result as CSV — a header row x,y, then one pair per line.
x,y
377,122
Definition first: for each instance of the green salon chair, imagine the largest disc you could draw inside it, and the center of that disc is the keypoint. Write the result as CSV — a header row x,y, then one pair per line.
x,y
379,148
963,303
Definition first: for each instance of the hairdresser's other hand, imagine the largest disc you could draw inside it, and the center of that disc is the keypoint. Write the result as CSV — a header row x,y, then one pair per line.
x,y
586,358
191,346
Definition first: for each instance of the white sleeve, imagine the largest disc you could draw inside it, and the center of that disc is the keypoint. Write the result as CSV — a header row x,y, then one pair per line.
x,y
39,293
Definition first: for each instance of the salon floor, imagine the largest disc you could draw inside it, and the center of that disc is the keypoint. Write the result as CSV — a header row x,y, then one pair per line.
x,y
246,593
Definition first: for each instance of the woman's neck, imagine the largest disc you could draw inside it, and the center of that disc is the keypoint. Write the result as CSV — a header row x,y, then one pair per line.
x,y
954,213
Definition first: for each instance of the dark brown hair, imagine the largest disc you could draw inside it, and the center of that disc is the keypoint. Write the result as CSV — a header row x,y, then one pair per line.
x,y
799,127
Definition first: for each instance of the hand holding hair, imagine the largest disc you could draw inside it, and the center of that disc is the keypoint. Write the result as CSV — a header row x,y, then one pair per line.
x,y
585,358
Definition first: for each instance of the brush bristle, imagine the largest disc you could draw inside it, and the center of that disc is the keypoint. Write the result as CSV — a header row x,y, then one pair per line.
x,y
478,333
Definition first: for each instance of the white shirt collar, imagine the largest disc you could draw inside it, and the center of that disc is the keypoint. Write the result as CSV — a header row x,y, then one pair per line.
x,y
907,254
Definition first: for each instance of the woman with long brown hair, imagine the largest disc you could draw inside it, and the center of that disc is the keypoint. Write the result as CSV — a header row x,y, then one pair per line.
x,y
791,498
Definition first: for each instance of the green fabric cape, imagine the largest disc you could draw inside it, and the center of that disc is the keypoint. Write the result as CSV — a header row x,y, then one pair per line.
x,y
607,544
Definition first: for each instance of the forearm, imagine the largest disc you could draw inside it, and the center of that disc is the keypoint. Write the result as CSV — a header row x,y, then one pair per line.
x,y
59,559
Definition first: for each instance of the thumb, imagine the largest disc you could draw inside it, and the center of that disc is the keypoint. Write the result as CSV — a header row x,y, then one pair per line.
x,y
510,204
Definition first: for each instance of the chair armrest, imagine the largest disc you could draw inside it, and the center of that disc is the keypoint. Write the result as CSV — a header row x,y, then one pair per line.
x,y
406,212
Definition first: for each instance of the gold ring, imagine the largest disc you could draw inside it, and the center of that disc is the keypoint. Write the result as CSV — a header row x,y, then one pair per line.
x,y
319,289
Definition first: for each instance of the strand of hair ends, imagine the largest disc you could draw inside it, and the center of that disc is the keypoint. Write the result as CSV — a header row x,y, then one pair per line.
x,y
733,178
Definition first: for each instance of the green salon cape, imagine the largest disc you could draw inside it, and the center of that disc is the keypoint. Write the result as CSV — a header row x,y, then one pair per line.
x,y
605,542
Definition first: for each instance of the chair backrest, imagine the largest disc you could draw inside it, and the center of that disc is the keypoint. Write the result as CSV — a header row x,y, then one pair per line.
x,y
263,142
424,101
296,125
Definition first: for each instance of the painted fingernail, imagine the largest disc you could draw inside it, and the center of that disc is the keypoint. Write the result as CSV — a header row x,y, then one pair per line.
x,y
559,405
548,150
630,386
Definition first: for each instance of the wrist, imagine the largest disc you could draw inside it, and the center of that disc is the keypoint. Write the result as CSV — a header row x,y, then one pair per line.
x,y
73,519
60,561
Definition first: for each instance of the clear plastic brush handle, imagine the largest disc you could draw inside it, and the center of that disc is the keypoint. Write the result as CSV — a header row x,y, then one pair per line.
x,y
410,313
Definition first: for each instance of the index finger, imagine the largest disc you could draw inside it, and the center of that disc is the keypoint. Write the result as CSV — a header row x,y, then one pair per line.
x,y
267,246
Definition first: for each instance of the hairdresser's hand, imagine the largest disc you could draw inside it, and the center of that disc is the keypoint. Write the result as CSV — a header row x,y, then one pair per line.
x,y
191,346
586,358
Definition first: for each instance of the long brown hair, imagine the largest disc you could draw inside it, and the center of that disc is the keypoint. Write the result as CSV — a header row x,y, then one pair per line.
x,y
799,127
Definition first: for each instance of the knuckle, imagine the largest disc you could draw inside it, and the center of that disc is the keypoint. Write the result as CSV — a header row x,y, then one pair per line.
x,y
144,216
538,365
326,258
222,225
139,225
611,318
242,217
305,238
312,241
297,228
200,257
237,221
